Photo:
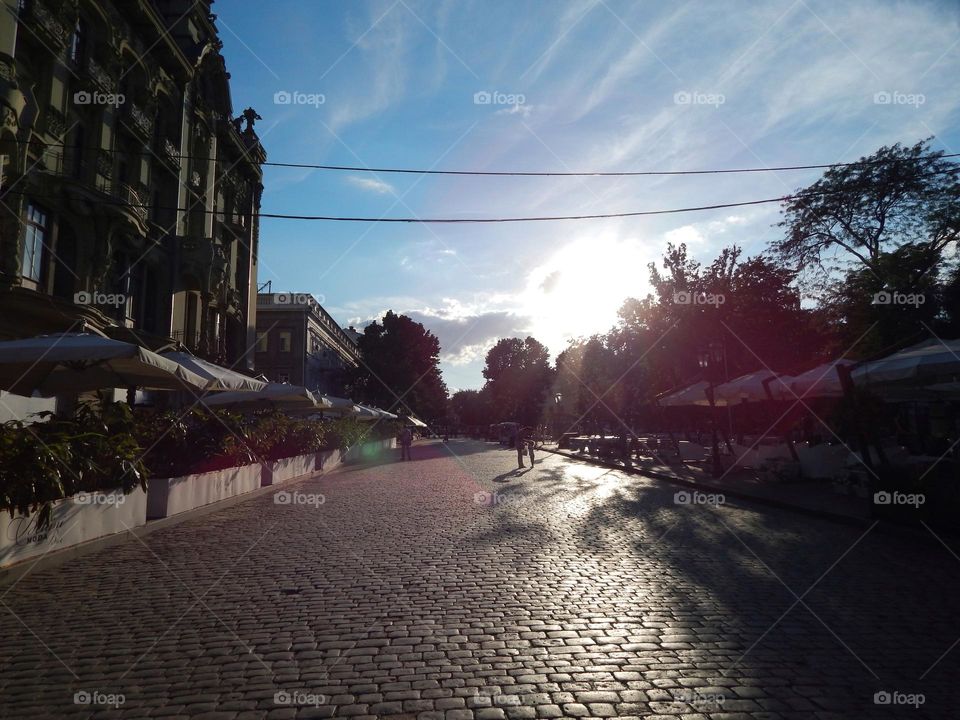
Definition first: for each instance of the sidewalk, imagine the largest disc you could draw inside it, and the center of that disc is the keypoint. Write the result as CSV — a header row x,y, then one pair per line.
x,y
809,496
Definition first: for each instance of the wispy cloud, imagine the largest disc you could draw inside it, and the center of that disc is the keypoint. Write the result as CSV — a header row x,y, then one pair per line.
x,y
371,184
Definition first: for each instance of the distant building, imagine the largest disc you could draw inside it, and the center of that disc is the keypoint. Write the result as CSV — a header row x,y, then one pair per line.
x,y
131,192
300,343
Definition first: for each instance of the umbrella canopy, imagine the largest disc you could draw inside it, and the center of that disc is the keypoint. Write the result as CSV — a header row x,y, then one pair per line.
x,y
416,422
928,359
218,378
821,381
81,362
366,413
278,395
750,387
695,394
338,406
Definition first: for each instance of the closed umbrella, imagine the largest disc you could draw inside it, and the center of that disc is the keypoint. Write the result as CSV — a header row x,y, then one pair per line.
x,y
80,362
218,377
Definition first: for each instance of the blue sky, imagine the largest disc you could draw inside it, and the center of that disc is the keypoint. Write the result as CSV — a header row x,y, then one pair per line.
x,y
598,85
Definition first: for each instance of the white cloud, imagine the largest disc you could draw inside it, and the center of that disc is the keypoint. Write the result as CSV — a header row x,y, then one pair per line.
x,y
371,184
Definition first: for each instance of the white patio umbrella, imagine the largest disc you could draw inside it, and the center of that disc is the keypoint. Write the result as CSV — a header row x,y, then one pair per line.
x,y
695,394
218,377
81,362
338,406
821,381
277,395
931,359
750,387
366,412
416,422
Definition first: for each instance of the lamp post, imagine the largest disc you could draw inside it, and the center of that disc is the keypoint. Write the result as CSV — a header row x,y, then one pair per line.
x,y
711,360
557,399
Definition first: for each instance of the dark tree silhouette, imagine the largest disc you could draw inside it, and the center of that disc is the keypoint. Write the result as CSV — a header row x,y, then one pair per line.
x,y
519,378
400,368
856,214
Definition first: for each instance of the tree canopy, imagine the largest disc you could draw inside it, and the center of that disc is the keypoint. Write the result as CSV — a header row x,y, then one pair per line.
x,y
401,368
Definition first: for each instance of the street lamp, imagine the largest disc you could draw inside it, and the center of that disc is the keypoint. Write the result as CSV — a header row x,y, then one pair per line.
x,y
710,360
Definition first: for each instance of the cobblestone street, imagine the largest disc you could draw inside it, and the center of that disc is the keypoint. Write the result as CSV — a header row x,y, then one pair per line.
x,y
454,587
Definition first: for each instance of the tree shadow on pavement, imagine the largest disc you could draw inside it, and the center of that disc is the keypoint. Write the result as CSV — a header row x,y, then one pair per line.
x,y
812,615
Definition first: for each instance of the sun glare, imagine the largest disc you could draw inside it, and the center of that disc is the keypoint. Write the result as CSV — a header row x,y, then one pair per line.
x,y
579,289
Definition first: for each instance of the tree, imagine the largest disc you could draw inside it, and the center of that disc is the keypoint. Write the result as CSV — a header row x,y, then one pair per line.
x,y
400,368
750,305
855,214
519,378
470,408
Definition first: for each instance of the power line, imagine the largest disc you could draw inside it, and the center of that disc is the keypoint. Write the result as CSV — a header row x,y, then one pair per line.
x,y
416,220
640,173
517,173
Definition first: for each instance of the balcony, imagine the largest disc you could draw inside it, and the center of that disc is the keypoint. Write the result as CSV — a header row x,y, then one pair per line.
x,y
99,76
46,25
130,196
169,152
140,121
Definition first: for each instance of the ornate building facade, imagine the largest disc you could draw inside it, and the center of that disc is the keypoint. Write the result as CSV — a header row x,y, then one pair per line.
x,y
130,193
300,343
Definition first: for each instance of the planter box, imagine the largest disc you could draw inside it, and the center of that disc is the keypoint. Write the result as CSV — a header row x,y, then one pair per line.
x,y
73,520
169,496
328,460
371,450
284,469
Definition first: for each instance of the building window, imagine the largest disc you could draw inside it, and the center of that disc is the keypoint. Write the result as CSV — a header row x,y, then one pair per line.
x,y
262,339
285,340
35,235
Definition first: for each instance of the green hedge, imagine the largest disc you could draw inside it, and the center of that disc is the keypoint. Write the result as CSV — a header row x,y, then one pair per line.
x,y
109,447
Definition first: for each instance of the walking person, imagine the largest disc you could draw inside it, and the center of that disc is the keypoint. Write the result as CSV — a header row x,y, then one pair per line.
x,y
524,445
406,440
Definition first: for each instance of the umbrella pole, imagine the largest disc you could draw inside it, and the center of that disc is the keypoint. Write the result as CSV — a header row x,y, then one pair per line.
x,y
131,395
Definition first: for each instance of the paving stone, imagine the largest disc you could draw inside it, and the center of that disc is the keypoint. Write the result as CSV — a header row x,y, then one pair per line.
x,y
581,592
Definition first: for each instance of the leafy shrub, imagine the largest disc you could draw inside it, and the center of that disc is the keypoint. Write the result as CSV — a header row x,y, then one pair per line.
x,y
92,449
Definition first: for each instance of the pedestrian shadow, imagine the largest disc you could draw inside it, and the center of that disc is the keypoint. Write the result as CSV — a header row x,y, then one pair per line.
x,y
515,473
